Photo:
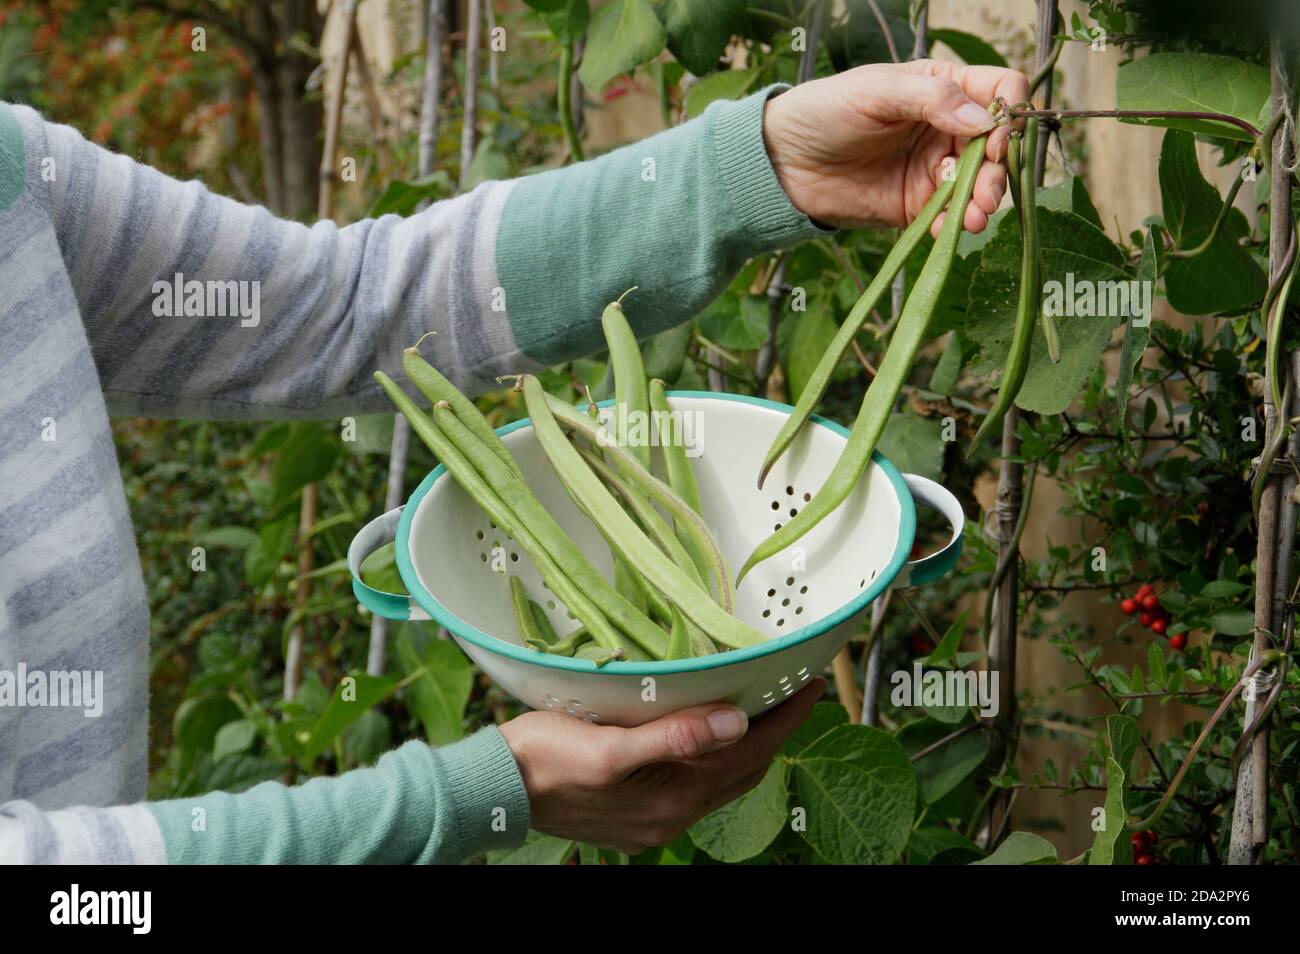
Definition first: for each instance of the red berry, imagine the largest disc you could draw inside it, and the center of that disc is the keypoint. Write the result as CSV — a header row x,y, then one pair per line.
x,y
1128,607
1145,619
1150,602
1139,843
1143,860
1203,507
1150,836
1159,625
1143,590
1178,642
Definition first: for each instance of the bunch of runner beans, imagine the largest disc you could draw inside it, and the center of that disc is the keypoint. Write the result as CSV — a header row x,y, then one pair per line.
x,y
672,594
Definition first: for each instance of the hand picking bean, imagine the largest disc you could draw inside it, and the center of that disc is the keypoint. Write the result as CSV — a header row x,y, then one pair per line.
x,y
434,386
463,472
878,403
813,391
626,536
633,623
1029,305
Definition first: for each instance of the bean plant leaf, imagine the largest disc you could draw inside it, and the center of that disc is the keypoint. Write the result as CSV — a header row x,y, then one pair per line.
x,y
623,35
950,642
813,332
858,789
1137,330
914,444
1068,195
1082,273
1107,844
233,738
971,48
1190,204
942,770
355,694
698,30
438,696
1194,82
568,21
1123,736
824,717
235,538
740,830
1022,848
401,198
727,84
537,849
859,39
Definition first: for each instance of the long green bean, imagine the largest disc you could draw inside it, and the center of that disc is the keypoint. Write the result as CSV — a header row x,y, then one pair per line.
x,y
630,540
878,403
567,589
1029,304
684,517
812,392
529,631
621,613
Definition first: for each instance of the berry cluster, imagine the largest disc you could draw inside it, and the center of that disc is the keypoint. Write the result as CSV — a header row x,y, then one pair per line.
x,y
1144,847
1153,616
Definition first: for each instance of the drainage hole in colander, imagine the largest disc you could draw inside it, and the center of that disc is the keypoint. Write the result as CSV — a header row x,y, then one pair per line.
x,y
789,491
483,557
873,575
794,512
789,581
480,534
776,528
807,497
514,557
767,613
784,679
780,622
786,601
550,604
798,610
570,615
803,589
772,592
776,505
492,525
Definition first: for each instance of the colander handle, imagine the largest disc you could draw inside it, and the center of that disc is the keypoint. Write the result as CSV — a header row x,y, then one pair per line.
x,y
930,568
370,538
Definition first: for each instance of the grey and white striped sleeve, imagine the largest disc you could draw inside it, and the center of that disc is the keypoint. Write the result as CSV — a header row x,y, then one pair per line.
x,y
122,835
293,320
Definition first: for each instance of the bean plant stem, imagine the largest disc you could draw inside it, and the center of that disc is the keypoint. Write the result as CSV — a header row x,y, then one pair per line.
x,y
1017,112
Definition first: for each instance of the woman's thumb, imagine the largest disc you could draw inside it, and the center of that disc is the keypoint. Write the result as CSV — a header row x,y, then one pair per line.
x,y
683,736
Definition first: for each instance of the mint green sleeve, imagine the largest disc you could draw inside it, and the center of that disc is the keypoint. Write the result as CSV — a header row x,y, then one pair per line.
x,y
417,804
676,214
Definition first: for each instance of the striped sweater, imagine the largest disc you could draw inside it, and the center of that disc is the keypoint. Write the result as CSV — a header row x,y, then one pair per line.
x,y
99,315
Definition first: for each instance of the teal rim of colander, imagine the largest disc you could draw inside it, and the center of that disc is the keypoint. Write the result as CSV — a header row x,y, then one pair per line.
x,y
457,626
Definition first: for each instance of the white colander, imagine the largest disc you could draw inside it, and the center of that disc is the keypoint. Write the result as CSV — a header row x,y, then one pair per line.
x,y
808,599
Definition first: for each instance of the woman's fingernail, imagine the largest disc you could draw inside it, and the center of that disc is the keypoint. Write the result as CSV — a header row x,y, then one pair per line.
x,y
727,725
973,116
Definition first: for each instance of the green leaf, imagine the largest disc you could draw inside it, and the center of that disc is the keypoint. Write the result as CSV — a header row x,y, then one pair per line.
x,y
812,335
740,830
1076,256
233,738
1068,195
1222,589
1233,621
726,84
367,738
1104,843
196,723
914,444
859,39
568,20
1123,736
234,538
1137,335
1022,848
373,434
665,353
1156,665
942,770
951,641
969,47
379,570
739,323
491,162
361,694
858,789
546,6
926,843
439,696
307,456
623,35
824,717
402,198
698,30
1190,203
537,849
273,542
1194,82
